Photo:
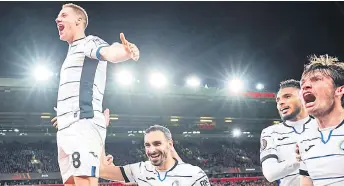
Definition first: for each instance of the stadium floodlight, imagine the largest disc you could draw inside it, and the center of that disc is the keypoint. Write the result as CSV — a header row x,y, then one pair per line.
x,y
158,80
125,78
236,133
259,86
42,74
193,81
236,85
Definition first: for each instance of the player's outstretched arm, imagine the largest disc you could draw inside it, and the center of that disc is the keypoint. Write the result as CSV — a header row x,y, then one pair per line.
x,y
120,52
108,170
112,172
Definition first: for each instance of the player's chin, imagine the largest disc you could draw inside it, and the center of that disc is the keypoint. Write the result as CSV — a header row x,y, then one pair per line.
x,y
288,116
63,37
316,111
156,162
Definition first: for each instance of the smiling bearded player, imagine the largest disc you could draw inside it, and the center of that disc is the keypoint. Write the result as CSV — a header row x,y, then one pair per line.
x,y
278,142
81,123
322,149
161,168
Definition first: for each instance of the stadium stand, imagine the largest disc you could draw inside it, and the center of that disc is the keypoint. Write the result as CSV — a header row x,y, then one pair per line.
x,y
201,122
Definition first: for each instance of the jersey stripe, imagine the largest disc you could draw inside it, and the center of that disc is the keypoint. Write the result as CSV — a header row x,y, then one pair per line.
x,y
86,88
324,156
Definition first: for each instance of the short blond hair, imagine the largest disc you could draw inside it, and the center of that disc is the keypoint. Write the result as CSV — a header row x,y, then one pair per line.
x,y
79,11
323,59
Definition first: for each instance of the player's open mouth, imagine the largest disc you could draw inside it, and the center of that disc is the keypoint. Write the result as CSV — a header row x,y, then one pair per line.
x,y
284,110
60,27
309,99
155,156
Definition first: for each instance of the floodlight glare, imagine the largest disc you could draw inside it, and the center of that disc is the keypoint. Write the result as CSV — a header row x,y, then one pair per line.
x,y
125,78
42,74
259,86
236,133
158,80
193,82
235,85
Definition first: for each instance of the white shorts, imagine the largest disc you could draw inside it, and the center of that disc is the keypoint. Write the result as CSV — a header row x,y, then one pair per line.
x,y
79,149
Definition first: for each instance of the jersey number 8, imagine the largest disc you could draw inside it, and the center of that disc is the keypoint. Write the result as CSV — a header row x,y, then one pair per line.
x,y
76,159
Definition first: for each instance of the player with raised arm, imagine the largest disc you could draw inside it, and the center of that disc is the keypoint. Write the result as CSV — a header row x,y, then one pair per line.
x,y
278,142
81,123
161,168
322,149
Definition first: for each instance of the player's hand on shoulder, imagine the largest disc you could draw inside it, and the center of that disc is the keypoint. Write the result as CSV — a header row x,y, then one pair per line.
x,y
297,151
131,48
109,160
107,116
54,122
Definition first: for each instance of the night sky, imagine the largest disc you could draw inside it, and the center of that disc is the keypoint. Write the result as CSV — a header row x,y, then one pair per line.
x,y
259,41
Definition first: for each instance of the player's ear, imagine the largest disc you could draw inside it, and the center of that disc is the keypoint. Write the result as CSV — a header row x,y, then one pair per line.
x,y
170,142
78,21
339,91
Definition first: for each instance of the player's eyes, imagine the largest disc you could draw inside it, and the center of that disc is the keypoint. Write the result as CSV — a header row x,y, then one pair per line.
x,y
315,79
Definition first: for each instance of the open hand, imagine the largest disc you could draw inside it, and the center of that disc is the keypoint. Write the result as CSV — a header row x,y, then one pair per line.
x,y
131,48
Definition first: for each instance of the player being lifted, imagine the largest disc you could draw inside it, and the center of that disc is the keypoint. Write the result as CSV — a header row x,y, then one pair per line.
x,y
278,142
161,168
81,123
322,149
108,160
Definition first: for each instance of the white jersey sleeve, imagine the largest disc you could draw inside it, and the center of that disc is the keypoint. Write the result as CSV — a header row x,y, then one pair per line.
x,y
273,168
200,178
93,45
267,145
131,171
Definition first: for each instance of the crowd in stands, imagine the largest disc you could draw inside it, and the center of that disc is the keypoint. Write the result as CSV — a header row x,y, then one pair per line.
x,y
211,155
246,183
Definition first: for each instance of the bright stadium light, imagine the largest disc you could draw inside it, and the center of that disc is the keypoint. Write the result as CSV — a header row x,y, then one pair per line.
x,y
193,82
42,74
259,86
235,85
158,80
236,133
125,78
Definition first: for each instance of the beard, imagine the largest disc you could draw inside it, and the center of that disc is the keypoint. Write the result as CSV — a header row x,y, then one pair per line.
x,y
291,115
160,160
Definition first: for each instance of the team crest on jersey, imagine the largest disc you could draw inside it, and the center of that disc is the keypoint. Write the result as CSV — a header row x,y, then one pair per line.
x,y
263,144
342,145
176,183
